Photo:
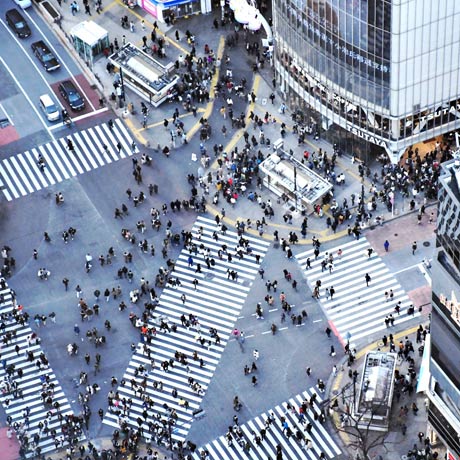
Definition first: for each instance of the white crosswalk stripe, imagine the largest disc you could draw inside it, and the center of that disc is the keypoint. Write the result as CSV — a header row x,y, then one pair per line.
x,y
25,387
243,444
20,175
216,303
357,310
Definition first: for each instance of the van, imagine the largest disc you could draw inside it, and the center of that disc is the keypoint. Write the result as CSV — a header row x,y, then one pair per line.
x,y
49,108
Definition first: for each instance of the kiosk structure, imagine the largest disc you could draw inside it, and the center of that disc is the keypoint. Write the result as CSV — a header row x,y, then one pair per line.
x,y
290,179
373,407
90,40
144,75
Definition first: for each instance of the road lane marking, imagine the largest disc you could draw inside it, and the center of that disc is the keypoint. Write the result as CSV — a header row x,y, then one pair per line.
x,y
61,60
27,97
7,115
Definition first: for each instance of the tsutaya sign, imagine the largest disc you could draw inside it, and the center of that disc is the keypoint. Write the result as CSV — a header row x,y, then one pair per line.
x,y
453,109
366,136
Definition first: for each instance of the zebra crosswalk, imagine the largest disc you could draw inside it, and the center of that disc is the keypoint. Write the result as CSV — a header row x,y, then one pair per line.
x,y
215,299
356,310
20,174
32,397
299,436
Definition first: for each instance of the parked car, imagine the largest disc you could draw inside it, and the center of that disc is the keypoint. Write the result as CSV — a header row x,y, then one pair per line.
x,y
71,95
45,56
23,3
18,23
49,108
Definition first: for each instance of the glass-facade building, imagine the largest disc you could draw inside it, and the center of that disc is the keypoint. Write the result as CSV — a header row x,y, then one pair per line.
x,y
443,384
386,71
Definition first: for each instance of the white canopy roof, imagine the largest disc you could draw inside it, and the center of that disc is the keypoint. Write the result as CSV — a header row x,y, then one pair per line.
x,y
89,32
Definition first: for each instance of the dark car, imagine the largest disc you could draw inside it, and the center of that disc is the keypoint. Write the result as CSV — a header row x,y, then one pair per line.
x,y
71,95
18,23
46,57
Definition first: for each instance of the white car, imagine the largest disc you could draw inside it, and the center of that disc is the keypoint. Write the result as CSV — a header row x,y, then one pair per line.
x,y
49,108
23,3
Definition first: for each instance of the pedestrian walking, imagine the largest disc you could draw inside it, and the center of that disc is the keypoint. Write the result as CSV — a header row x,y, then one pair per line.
x,y
35,254
78,289
414,247
386,245
255,354
308,371
334,370
65,281
368,279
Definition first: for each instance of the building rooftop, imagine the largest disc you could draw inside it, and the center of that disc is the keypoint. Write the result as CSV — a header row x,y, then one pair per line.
x,y
376,388
295,177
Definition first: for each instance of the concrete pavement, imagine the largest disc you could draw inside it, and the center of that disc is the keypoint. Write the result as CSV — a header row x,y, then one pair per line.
x,y
155,132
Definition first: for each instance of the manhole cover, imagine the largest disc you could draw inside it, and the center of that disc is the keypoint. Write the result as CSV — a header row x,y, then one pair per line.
x,y
426,243
209,276
396,234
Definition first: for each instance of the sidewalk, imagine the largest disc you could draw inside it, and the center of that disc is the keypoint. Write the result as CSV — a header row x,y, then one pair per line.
x,y
395,444
156,135
105,444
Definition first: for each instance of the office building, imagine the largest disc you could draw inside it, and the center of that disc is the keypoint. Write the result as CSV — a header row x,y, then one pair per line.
x,y
379,75
442,383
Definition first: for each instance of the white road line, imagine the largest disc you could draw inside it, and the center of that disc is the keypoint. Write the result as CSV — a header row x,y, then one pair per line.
x,y
26,95
49,163
21,173
89,143
45,171
407,268
29,172
60,59
29,156
6,175
7,115
63,155
85,149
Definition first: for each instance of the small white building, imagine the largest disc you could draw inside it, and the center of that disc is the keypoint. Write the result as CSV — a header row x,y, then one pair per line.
x,y
90,40
287,177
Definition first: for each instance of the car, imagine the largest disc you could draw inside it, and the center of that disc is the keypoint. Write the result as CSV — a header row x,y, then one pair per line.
x,y
49,108
71,95
45,56
23,3
18,23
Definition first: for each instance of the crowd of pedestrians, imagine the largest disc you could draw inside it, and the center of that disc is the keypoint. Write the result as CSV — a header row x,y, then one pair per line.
x,y
235,177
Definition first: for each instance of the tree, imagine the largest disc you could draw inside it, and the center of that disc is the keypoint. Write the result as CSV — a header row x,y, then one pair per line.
x,y
357,427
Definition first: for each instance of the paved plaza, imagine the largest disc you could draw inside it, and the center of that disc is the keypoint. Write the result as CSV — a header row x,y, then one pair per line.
x,y
160,332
